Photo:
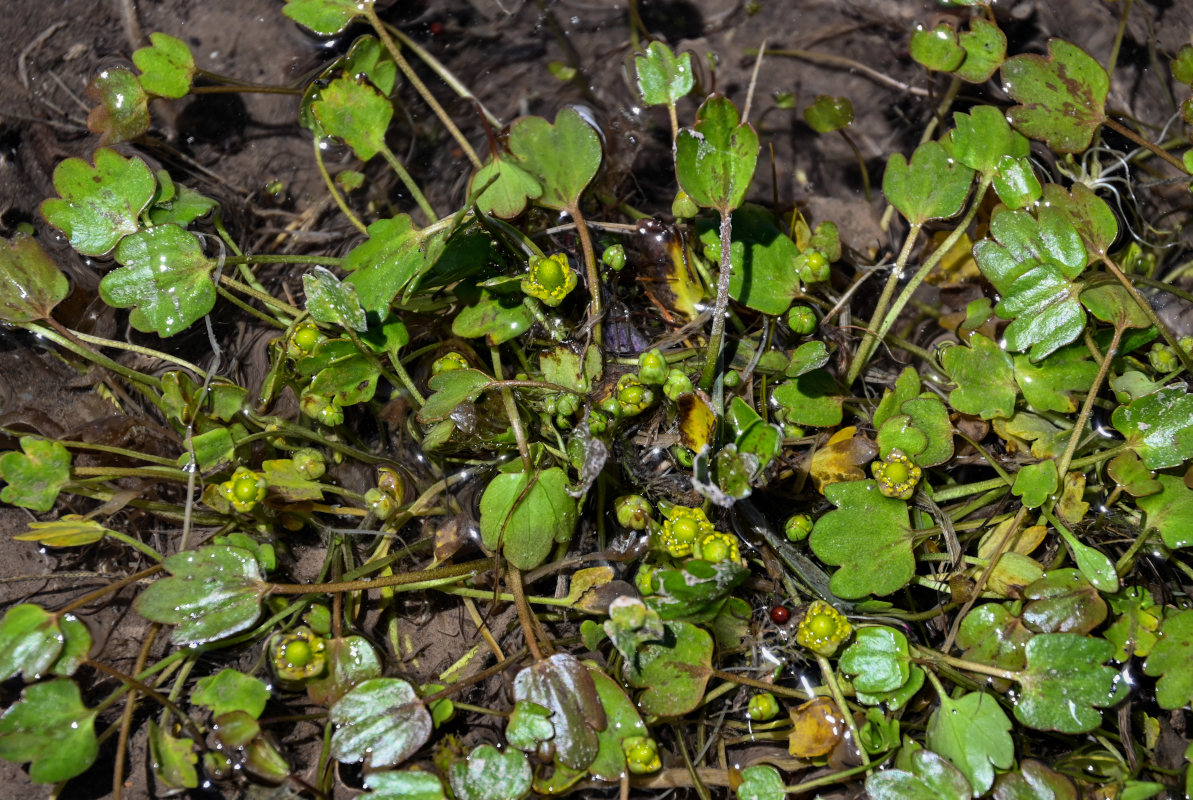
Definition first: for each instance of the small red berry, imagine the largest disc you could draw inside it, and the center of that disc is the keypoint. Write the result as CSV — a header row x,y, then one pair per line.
x,y
437,28
780,614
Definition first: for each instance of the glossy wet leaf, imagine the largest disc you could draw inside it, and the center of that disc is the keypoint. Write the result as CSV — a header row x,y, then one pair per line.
x,y
122,113
1035,483
897,698
1064,683
697,421
1111,303
406,785
974,734
288,483
1089,215
841,458
35,475
30,282
931,778
1158,427
1127,471
71,530
173,758
340,372
325,17
761,782
498,314
165,279
228,691
1061,96
167,67
1049,384
663,77
381,266
715,160
673,671
565,687
807,357
1063,601
1170,511
380,722
563,157
333,302
211,593
525,514
351,660
1043,307
931,186
76,646
1033,781
983,138
868,537
937,48
97,205
1031,431
50,727
991,634
1016,182
984,376
352,110
922,431
507,188
489,774
529,725
878,659
817,727
829,113
31,639
1170,659
696,590
450,389
763,272
622,722
811,399
985,48
1135,629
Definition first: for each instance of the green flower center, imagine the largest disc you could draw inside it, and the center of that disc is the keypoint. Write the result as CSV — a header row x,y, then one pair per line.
x,y
297,653
684,529
245,489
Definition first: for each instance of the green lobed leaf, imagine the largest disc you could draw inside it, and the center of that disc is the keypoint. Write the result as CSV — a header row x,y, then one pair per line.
x,y
382,265
807,357
325,17
563,157
351,109
715,161
1063,601
932,186
937,48
878,659
1016,183
1064,683
763,271
166,279
489,774
931,778
529,726
1035,483
50,727
992,635
1033,781
350,660
827,113
1111,303
30,642
1021,242
761,782
984,376
30,282
98,205
663,77
1048,385
76,646
922,431
525,514
1170,511
1089,215
697,590
674,670
228,691
985,48
407,785
1043,307
622,722
983,137
288,483
1128,472
506,188
1158,427
868,536
174,759
565,688
1061,96
811,399
122,113
36,475
1170,659
974,734
1135,630
167,67
381,722
498,315
450,389
213,592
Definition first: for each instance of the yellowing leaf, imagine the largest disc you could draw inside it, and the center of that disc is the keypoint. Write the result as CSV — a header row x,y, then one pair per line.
x,y
817,726
70,531
842,458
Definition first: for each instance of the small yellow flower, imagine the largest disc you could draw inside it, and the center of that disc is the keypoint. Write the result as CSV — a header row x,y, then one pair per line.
x,y
244,489
298,655
550,279
823,629
682,528
897,476
717,546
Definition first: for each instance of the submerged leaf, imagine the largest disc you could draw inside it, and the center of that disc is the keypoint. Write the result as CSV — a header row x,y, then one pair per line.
x,y
30,282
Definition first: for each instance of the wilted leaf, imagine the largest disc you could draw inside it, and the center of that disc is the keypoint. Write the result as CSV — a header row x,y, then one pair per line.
x,y
30,282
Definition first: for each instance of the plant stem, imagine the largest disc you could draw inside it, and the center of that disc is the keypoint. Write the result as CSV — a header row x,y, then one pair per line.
x,y
1062,465
1149,312
444,74
335,192
135,348
511,411
514,580
870,340
419,86
712,360
1123,130
593,277
830,680
401,579
126,718
836,777
815,57
145,689
934,657
264,297
111,587
742,680
92,356
409,183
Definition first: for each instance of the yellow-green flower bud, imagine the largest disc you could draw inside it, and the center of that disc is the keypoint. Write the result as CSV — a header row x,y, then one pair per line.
x,y
632,396
641,754
897,476
614,257
633,512
550,279
798,527
812,266
801,319
716,546
298,655
447,363
652,368
677,383
762,707
309,462
682,528
823,629
244,489
306,337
